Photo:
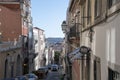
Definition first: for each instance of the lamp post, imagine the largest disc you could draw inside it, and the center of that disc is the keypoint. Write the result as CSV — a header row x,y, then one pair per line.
x,y
64,25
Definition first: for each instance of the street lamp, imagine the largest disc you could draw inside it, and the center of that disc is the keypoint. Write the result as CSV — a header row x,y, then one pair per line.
x,y
91,32
64,25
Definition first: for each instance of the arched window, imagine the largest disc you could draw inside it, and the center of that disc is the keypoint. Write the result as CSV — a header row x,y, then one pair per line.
x,y
18,66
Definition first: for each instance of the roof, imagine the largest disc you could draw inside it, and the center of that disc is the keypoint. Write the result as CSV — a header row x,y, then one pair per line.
x,y
38,28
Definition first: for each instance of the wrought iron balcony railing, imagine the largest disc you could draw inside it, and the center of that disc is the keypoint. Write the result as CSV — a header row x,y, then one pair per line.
x,y
74,31
81,1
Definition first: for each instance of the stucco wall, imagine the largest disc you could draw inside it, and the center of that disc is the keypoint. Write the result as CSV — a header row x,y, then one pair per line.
x,y
107,44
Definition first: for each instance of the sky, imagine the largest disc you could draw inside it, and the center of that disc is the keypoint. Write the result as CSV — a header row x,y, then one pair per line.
x,y
49,15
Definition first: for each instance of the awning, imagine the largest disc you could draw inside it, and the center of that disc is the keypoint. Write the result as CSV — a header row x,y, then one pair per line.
x,y
78,56
70,55
75,55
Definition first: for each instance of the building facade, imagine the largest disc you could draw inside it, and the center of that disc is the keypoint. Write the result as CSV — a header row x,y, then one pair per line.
x,y
15,26
57,47
98,24
53,45
39,38
72,39
11,60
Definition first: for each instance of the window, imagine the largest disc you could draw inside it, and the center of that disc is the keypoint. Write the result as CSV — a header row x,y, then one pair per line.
x,y
112,2
83,15
113,75
109,3
97,8
97,69
88,11
6,69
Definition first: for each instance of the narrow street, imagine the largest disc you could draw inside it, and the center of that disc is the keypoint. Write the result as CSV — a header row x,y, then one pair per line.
x,y
53,75
59,39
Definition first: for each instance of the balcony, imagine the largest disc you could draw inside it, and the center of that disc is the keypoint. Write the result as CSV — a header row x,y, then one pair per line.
x,y
28,2
10,46
25,11
26,14
81,1
9,1
74,33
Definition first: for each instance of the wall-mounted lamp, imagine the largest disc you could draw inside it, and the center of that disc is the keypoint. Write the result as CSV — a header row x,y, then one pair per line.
x,y
91,32
64,25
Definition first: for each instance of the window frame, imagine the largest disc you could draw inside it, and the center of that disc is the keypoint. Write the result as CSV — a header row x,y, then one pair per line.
x,y
97,68
83,15
97,8
111,3
88,11
113,75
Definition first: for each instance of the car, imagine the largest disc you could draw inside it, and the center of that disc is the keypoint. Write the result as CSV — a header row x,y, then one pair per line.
x,y
49,66
31,76
20,78
43,69
42,72
54,67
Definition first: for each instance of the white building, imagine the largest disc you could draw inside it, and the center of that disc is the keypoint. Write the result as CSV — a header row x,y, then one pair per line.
x,y
39,38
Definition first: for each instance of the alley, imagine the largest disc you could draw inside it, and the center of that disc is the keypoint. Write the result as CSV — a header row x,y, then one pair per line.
x,y
53,75
59,39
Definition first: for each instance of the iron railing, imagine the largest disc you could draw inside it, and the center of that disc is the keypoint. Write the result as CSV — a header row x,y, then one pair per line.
x,y
74,32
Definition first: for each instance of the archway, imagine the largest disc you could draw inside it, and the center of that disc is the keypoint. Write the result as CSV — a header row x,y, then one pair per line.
x,y
26,66
18,66
6,69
